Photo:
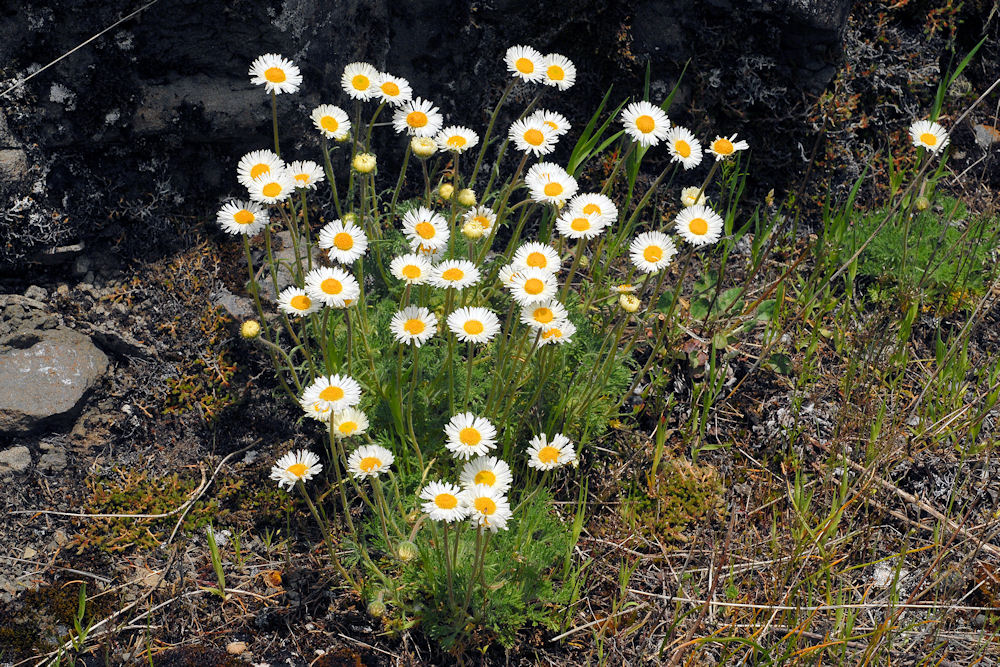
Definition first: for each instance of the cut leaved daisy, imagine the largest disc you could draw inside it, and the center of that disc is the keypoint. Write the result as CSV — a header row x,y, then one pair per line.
x,y
531,135
575,224
393,89
645,123
369,461
545,455
272,187
413,324
242,217
543,314
474,324
344,243
332,286
418,118
441,502
535,255
525,63
331,121
339,392
487,471
726,147
928,134
455,273
257,163
456,139
425,227
277,74
411,268
300,466
306,174
549,183
683,147
558,71
530,284
559,333
488,508
651,251
469,435
699,225
358,81
348,422
295,301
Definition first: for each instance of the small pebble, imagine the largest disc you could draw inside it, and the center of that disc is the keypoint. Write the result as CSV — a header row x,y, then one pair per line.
x,y
236,648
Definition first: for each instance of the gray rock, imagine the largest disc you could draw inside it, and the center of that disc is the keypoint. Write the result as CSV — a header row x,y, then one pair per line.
x,y
37,293
53,460
47,381
285,257
14,460
13,164
239,307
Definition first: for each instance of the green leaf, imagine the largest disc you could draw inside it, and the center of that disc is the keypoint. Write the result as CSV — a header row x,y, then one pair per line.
x,y
780,363
765,311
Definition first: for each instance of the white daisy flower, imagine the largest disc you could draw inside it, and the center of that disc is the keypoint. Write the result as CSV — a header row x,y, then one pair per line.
x,y
559,71
575,224
277,74
412,268
543,314
508,275
369,461
455,273
469,435
487,471
483,215
525,63
532,136
295,301
294,466
393,89
413,324
554,121
339,392
558,333
332,286
725,147
488,508
699,225
257,163
242,217
358,81
424,226
683,147
645,123
430,253
348,422
928,134
548,182
331,121
442,502
474,325
306,174
318,410
456,139
423,147
594,203
545,455
531,285
417,117
692,196
272,187
535,255
344,243
651,251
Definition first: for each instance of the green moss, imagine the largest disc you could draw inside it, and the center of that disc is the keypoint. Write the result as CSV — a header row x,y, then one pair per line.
x,y
682,493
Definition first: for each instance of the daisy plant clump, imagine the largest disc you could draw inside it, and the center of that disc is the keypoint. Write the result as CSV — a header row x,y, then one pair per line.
x,y
454,384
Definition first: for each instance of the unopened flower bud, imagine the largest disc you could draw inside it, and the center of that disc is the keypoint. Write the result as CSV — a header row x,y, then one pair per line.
x,y
922,203
689,196
423,147
349,219
376,608
364,163
250,329
406,551
446,190
473,230
629,302
466,197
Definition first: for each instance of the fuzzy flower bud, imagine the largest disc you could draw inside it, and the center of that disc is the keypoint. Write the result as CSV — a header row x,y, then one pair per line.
x,y
922,203
376,608
446,191
629,302
689,197
407,551
349,219
466,197
250,329
423,147
473,230
364,163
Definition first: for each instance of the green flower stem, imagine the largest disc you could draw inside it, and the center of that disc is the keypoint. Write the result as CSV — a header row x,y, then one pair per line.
x,y
288,362
614,172
265,329
448,565
335,463
468,374
414,379
368,139
449,363
489,131
328,168
572,269
354,151
399,181
475,567
427,183
626,229
350,336
500,210
326,537
296,246
380,504
274,121
305,223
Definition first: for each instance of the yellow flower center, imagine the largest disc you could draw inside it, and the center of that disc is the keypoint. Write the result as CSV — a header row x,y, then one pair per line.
x,y
553,189
411,272
258,169
485,506
416,119
580,224
297,469
543,315
551,124
425,230
652,254
244,217
534,286
473,327
483,220
554,332
360,82
486,477
928,138
331,394
343,241
304,178
591,209
414,326
331,286
683,148
348,428
329,123
536,259
370,463
390,89
555,73
456,141
446,501
274,74
723,147
300,302
524,65
453,274
548,454
271,190
645,123
534,137
698,226
469,436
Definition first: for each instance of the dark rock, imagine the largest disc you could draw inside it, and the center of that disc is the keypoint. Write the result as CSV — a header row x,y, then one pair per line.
x,y
47,381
